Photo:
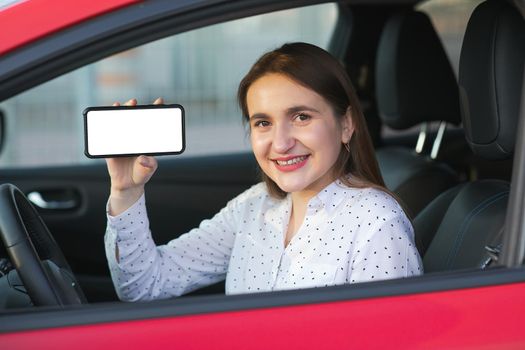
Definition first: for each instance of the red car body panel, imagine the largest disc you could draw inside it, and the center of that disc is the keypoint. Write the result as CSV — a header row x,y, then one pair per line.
x,y
476,318
28,21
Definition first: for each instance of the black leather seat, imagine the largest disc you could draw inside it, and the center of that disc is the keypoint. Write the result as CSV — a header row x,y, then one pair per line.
x,y
415,84
459,224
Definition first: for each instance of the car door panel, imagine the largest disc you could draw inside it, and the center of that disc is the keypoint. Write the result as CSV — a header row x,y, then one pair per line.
x,y
183,192
423,312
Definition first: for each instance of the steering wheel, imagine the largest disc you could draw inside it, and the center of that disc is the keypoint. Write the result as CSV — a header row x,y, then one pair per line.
x,y
40,264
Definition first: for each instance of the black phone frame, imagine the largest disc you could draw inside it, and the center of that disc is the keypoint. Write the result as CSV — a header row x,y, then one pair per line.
x,y
112,108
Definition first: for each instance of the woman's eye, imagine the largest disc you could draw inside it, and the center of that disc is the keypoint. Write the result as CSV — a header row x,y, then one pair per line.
x,y
262,123
302,117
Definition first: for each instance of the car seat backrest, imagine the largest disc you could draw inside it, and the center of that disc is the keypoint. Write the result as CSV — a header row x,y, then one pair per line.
x,y
415,84
490,76
472,221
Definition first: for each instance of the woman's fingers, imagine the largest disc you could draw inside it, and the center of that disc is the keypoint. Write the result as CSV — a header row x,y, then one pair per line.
x,y
132,102
148,162
144,169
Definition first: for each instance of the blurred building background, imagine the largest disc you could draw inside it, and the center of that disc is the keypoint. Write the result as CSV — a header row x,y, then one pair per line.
x,y
199,69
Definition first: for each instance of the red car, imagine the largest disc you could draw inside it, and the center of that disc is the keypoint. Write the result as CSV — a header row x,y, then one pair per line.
x,y
448,71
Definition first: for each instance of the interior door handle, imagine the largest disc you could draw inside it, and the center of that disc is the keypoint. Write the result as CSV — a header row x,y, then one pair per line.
x,y
58,204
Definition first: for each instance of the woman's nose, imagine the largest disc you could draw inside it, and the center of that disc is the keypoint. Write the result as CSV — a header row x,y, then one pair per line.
x,y
283,139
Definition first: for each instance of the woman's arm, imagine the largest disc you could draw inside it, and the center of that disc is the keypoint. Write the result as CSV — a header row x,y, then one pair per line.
x,y
139,269
129,175
145,271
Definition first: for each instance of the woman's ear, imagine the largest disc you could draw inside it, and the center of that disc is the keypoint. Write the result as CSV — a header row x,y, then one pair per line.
x,y
348,126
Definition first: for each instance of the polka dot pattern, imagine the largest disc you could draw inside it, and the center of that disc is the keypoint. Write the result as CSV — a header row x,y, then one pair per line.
x,y
348,236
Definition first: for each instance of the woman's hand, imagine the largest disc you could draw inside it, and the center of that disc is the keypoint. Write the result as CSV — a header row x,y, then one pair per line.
x,y
129,175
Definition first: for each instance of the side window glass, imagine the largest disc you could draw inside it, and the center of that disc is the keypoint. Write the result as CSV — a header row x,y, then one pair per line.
x,y
450,20
199,69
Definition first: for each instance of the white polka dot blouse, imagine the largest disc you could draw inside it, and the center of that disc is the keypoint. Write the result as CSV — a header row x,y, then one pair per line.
x,y
348,235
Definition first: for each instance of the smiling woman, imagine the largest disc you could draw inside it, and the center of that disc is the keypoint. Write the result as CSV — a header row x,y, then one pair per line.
x,y
289,78
321,218
289,138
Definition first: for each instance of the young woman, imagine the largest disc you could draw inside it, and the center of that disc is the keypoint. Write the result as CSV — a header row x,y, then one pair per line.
x,y
320,217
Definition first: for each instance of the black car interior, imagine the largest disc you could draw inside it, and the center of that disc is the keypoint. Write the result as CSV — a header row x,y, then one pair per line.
x,y
456,194
468,221
409,56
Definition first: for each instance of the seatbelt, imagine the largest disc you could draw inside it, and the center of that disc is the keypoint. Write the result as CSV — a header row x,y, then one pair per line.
x,y
493,250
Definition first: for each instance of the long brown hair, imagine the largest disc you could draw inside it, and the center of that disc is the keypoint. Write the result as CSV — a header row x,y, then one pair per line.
x,y
319,71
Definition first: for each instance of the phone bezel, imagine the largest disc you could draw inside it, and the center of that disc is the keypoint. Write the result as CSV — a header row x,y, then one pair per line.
x,y
111,108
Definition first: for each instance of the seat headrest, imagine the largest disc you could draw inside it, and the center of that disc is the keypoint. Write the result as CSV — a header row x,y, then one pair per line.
x,y
490,78
415,82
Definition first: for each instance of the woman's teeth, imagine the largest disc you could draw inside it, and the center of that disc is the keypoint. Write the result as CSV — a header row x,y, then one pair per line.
x,y
291,161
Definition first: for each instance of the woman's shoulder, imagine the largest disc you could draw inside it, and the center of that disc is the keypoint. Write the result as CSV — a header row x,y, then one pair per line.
x,y
377,208
377,200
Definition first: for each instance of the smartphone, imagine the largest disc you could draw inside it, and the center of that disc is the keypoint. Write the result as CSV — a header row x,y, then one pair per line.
x,y
123,131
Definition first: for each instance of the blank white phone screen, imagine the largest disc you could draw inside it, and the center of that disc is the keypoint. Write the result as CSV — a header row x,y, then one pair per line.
x,y
134,131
